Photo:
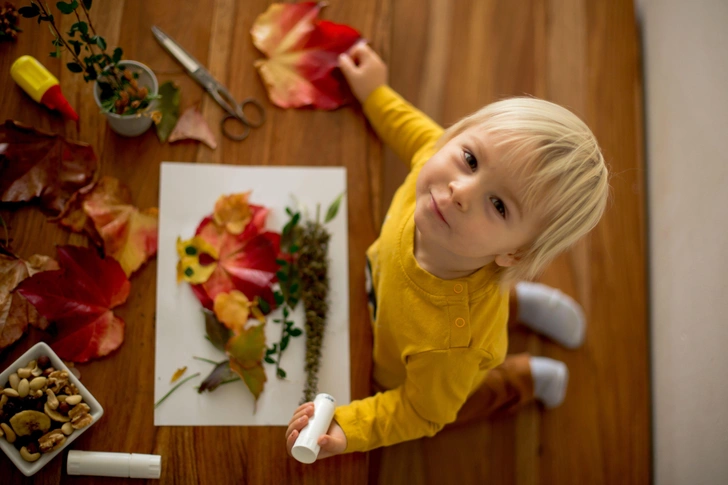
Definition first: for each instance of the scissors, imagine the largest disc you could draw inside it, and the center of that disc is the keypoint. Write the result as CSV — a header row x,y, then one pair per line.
x,y
218,91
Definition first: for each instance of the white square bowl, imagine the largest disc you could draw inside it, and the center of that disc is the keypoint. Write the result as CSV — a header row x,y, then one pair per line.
x,y
30,468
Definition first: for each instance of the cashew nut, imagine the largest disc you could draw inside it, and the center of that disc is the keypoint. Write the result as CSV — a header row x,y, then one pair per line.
x,y
28,456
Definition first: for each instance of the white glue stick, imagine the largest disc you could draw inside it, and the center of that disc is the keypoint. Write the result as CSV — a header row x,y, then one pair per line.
x,y
306,448
105,464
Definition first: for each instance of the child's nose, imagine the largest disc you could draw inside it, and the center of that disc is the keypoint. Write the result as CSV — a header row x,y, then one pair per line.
x,y
459,195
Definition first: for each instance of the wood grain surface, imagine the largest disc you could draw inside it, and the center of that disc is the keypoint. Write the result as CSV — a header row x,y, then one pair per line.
x,y
449,58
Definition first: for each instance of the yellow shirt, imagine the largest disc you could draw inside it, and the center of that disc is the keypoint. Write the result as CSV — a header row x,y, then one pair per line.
x,y
434,339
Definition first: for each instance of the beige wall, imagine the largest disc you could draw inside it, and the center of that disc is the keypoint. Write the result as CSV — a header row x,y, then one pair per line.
x,y
686,84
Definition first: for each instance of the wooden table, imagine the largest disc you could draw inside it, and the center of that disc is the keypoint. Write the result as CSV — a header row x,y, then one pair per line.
x,y
217,34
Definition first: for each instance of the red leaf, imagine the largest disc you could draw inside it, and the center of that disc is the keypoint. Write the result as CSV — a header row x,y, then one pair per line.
x,y
303,56
15,311
79,298
247,261
35,164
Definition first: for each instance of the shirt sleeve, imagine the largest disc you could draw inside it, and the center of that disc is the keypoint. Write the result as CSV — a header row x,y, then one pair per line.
x,y
437,385
401,126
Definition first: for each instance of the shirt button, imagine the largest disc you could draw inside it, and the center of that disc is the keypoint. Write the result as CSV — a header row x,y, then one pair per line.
x,y
459,322
458,288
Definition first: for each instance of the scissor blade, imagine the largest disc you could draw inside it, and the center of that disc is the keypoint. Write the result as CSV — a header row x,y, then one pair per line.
x,y
189,62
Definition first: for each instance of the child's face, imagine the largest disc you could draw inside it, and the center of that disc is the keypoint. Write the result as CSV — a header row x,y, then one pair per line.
x,y
469,201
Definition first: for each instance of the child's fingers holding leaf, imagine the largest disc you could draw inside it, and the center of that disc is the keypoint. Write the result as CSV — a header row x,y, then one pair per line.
x,y
363,69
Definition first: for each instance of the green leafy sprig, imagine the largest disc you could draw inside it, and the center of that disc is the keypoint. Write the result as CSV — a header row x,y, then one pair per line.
x,y
289,279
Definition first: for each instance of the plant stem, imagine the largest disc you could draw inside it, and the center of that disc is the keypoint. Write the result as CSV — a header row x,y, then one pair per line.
x,y
58,34
283,334
88,17
174,389
208,361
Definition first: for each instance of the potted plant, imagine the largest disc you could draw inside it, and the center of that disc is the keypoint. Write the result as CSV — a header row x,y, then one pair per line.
x,y
126,91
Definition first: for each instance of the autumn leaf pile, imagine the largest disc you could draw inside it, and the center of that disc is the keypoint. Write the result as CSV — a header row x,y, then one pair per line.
x,y
77,292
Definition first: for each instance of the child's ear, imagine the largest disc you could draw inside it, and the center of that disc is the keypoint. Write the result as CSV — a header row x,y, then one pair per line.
x,y
507,260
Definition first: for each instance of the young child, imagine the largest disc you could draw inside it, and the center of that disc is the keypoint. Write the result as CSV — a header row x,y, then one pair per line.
x,y
487,203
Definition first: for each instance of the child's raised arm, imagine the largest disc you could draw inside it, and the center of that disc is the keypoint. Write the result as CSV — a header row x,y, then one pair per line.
x,y
405,129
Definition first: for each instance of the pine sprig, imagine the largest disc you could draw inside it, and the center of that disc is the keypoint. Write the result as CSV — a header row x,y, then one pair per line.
x,y
314,276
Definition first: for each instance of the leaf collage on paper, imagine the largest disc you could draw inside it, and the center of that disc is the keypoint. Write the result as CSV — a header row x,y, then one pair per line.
x,y
231,264
302,53
61,176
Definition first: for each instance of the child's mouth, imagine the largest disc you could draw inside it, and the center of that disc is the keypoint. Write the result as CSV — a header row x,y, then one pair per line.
x,y
436,209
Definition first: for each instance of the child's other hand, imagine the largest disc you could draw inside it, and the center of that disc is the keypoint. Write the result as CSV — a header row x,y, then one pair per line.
x,y
363,69
332,443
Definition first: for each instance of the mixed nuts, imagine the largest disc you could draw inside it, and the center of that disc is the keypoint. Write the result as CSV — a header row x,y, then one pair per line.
x,y
39,407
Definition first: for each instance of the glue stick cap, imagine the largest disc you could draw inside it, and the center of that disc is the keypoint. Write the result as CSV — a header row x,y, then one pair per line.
x,y
104,464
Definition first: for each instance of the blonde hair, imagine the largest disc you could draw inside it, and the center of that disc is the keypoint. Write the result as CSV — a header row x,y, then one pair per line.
x,y
565,172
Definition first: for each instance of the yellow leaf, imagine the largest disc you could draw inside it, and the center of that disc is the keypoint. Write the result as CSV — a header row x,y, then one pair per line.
x,y
189,267
179,373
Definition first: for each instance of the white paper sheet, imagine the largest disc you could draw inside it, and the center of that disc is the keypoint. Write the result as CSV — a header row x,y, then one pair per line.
x,y
187,194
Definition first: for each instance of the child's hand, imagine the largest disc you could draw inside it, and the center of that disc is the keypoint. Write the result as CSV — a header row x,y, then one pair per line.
x,y
332,443
363,69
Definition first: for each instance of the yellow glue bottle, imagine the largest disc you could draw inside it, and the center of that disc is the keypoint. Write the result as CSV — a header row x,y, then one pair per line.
x,y
41,85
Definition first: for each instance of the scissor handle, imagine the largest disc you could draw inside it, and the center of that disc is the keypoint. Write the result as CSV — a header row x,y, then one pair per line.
x,y
235,136
258,107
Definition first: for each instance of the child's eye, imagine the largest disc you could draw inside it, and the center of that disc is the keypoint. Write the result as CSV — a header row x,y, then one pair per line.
x,y
499,205
470,160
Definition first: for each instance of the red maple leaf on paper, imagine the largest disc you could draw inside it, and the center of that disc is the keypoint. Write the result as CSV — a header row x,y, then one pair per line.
x,y
247,261
79,298
303,55
35,164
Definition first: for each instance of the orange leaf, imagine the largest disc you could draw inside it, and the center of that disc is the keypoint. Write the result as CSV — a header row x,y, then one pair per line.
x,y
15,311
129,235
233,212
108,190
303,55
233,310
